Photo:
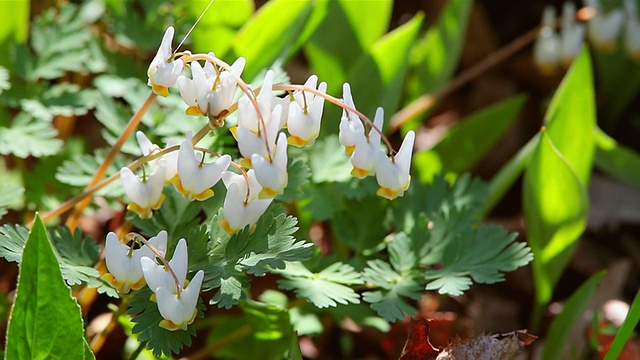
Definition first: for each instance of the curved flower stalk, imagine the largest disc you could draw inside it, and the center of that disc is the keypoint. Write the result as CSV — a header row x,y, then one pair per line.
x,y
241,206
546,50
572,35
632,30
179,310
123,262
393,173
351,127
272,175
247,116
305,114
195,178
145,192
604,28
170,160
160,276
210,92
163,72
363,157
261,143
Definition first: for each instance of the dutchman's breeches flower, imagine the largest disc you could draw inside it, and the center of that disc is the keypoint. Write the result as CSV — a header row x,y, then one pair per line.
x,y
363,157
632,30
239,210
179,310
250,143
159,276
305,114
145,192
604,28
247,116
546,49
351,127
163,72
572,35
123,262
393,173
195,178
170,160
272,175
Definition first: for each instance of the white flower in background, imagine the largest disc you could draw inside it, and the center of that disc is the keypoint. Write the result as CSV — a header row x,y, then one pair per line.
x,y
163,72
159,276
546,50
262,143
604,28
145,192
123,262
363,157
209,92
393,173
305,114
239,209
351,127
179,310
195,178
572,35
285,102
170,160
632,30
272,175
247,116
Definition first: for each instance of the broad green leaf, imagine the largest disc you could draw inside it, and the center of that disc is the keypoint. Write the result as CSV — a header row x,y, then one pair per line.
x,y
616,160
555,212
45,319
571,117
618,79
14,28
469,140
346,32
28,136
625,331
261,43
217,28
328,161
562,325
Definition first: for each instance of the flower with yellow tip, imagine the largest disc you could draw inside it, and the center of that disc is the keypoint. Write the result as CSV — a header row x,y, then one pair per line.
x,y
305,114
163,72
195,178
363,157
272,175
250,142
170,160
393,173
123,262
239,209
145,192
351,127
546,49
179,309
159,275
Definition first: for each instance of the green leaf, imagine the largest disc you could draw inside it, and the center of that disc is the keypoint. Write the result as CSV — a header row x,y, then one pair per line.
x,y
324,289
77,255
5,83
616,160
299,174
469,140
571,117
555,212
60,99
562,326
80,170
9,194
358,224
28,136
45,319
12,240
347,31
625,331
328,162
618,79
261,43
15,28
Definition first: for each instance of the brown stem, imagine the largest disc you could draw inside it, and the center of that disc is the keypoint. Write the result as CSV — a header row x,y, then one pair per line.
x,y
99,340
230,338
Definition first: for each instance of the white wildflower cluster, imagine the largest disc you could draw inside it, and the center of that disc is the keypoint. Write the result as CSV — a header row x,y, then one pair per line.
x,y
266,126
603,28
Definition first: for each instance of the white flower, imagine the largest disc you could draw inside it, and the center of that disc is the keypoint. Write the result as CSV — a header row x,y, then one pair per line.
x,y
604,28
247,116
210,93
159,276
239,210
393,173
163,73
546,50
195,178
572,35
170,160
363,157
250,142
632,30
179,310
123,262
305,114
351,127
145,192
272,175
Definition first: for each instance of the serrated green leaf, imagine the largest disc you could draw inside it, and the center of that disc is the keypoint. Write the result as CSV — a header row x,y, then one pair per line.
x,y
469,140
12,240
80,170
299,174
45,319
555,212
9,194
28,136
60,99
324,289
221,22
358,224
78,254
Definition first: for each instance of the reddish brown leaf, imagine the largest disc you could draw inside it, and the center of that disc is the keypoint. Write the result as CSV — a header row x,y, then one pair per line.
x,y
418,346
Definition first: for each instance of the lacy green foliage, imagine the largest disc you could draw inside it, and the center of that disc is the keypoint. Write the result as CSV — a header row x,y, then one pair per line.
x,y
256,252
45,319
9,194
5,84
324,289
299,173
146,316
79,171
29,136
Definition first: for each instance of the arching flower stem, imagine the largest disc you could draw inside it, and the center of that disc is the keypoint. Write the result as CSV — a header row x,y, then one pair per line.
x,y
158,254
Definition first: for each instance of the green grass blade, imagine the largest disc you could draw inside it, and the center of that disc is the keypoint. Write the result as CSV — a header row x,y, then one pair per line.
x,y
625,331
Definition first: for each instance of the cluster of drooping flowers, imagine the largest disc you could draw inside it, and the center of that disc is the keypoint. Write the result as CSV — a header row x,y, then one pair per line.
x,y
209,90
603,29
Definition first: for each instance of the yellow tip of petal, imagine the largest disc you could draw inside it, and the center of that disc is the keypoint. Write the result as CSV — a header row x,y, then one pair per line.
x,y
171,326
296,141
268,193
193,110
360,173
224,225
349,149
388,193
139,284
156,206
177,184
234,132
246,162
144,213
160,90
203,195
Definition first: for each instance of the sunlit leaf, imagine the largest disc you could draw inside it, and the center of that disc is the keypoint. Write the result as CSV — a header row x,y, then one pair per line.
x,y
616,160
13,29
28,136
